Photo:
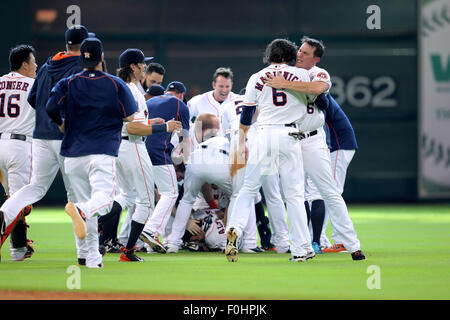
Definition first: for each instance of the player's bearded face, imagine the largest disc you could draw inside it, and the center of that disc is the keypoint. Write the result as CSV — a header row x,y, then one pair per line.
x,y
222,87
153,78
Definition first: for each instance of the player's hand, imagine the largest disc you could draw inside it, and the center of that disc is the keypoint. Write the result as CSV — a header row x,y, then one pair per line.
x,y
173,125
193,227
277,82
157,121
239,159
62,127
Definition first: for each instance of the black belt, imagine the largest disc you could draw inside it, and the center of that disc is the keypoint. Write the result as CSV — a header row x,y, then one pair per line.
x,y
220,150
302,135
17,136
291,125
127,138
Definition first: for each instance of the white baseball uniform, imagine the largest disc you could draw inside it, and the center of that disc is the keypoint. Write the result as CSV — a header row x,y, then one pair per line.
x,y
275,151
17,119
135,172
214,228
209,163
206,103
317,165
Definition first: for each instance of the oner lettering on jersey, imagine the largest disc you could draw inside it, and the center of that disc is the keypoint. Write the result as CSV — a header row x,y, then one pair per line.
x,y
16,114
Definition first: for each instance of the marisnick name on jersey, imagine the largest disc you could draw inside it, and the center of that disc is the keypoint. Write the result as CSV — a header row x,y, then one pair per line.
x,y
287,75
13,85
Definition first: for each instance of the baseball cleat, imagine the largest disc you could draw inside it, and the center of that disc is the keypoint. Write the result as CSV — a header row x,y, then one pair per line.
x,y
102,250
153,241
310,254
270,247
335,248
358,255
298,258
172,249
98,266
231,251
30,250
129,256
81,261
252,250
78,220
316,248
113,246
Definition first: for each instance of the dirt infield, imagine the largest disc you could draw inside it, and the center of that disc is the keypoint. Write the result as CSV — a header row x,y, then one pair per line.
x,y
79,295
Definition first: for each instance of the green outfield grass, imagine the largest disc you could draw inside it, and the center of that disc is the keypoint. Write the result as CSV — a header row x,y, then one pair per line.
x,y
409,243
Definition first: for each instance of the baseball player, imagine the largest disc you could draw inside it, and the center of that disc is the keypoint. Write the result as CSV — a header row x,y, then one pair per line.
x,y
17,120
46,145
205,231
134,167
208,163
343,146
274,149
230,119
154,75
95,104
316,157
167,106
211,101
154,91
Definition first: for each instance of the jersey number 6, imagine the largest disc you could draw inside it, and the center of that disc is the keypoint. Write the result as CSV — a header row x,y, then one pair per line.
x,y
13,108
279,97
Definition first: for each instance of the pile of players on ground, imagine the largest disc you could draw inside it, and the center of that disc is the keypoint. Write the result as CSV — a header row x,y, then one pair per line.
x,y
183,166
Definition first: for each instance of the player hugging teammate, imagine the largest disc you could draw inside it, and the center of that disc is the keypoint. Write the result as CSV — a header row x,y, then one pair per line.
x,y
122,154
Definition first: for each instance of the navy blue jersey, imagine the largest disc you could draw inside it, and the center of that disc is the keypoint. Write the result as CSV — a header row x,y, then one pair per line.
x,y
94,105
342,135
167,107
57,67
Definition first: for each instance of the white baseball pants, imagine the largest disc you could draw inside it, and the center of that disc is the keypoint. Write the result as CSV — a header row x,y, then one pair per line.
x,y
317,164
93,180
46,162
135,180
166,182
340,160
277,212
205,165
15,170
275,151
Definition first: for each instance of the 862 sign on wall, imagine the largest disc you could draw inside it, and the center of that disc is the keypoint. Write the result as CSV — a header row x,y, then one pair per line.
x,y
362,91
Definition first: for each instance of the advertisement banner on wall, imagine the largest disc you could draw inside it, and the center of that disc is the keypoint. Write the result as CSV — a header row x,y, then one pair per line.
x,y
434,103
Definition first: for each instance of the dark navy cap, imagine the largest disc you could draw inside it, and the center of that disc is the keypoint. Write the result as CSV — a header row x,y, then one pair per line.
x,y
92,35
76,34
176,85
155,90
132,56
91,52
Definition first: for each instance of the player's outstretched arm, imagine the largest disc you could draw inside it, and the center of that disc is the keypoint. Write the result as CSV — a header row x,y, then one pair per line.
x,y
140,129
314,88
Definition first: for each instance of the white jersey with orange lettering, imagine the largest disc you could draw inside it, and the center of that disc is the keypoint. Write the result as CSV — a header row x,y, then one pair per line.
x,y
16,114
231,115
206,103
277,106
17,119
314,117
